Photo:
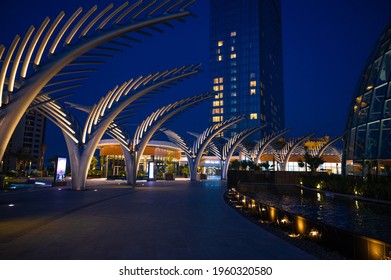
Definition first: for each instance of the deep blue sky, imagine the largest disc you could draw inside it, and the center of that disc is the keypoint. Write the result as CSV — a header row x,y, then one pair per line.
x,y
326,45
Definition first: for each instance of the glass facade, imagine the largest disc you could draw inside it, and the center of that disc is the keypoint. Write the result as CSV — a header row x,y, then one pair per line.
x,y
246,64
368,129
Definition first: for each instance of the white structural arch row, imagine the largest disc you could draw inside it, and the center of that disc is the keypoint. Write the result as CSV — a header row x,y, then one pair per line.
x,y
265,143
195,153
108,26
230,147
150,125
81,145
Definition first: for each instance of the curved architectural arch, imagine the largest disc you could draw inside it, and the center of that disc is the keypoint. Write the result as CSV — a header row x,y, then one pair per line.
x,y
150,125
291,147
261,147
12,109
195,153
328,144
231,146
101,119
203,141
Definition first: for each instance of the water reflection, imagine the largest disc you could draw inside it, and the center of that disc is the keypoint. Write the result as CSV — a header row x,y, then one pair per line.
x,y
369,219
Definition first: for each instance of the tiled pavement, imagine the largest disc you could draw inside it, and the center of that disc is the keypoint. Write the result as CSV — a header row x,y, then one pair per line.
x,y
155,220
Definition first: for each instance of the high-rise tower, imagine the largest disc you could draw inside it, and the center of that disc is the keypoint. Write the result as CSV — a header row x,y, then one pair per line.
x,y
26,148
246,63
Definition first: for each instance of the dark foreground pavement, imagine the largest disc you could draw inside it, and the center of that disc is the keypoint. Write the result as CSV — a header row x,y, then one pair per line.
x,y
159,220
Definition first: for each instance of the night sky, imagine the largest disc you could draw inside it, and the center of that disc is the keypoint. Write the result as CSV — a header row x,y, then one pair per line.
x,y
326,46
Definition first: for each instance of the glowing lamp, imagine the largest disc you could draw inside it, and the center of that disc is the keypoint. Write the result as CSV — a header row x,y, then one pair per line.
x,y
314,233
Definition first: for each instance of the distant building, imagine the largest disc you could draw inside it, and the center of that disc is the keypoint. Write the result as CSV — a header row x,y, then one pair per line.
x,y
113,163
246,64
368,129
29,136
112,159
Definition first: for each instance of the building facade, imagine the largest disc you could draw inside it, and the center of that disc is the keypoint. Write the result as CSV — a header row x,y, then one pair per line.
x,y
112,160
25,151
246,64
368,130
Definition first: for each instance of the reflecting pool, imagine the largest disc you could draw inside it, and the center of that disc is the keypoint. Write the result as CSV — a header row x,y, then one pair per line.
x,y
364,218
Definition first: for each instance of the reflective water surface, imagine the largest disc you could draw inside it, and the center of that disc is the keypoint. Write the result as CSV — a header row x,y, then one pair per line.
x,y
365,218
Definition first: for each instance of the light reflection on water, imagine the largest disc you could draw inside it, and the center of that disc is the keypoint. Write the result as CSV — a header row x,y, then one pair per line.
x,y
365,218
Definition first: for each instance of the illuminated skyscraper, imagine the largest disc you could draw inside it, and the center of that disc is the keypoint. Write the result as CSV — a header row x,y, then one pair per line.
x,y
246,63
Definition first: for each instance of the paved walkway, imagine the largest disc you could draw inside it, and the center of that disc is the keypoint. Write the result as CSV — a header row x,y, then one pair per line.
x,y
156,220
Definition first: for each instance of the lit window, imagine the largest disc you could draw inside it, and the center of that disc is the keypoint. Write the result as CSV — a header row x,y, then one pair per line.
x,y
221,87
218,51
233,94
220,80
218,111
233,34
220,43
219,95
216,88
217,103
232,48
220,58
216,80
252,91
253,116
253,83
233,55
217,119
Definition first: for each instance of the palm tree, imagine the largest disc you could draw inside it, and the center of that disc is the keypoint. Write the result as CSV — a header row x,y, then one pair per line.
x,y
235,164
266,165
94,162
313,162
253,166
244,164
23,157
